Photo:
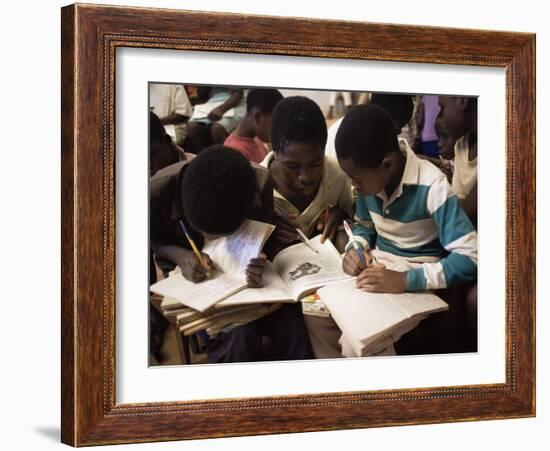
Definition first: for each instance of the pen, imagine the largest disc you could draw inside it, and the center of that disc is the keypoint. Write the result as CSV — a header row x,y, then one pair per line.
x,y
306,241
358,248
194,247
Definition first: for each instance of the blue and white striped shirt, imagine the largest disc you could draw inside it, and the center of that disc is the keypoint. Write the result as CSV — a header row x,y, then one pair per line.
x,y
423,222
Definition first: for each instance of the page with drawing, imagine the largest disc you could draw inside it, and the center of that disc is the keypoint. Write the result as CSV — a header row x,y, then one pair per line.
x,y
304,270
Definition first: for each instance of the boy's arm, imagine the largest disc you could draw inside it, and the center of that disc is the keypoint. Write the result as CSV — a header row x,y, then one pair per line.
x,y
363,228
456,234
232,101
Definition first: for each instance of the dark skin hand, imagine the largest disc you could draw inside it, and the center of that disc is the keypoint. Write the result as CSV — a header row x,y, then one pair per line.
x,y
186,259
173,118
352,264
285,231
255,270
191,268
373,277
217,113
378,279
335,218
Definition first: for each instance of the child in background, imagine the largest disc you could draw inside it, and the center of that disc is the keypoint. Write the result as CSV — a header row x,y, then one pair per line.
x,y
172,106
445,144
406,212
459,115
254,131
427,113
162,150
213,120
212,195
308,186
346,97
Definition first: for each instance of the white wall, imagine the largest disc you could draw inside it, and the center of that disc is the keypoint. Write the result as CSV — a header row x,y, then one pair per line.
x,y
30,224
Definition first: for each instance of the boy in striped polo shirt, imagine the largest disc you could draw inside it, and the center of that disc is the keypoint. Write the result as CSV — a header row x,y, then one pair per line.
x,y
405,208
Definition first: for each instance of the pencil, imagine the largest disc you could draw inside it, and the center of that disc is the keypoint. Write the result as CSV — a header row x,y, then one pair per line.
x,y
358,248
306,241
194,247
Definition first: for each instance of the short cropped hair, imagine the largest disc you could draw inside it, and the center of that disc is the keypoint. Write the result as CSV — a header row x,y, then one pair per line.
x,y
263,99
366,135
398,106
297,119
218,189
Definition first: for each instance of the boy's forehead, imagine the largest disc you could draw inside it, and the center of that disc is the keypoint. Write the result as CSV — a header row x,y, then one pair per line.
x,y
297,150
352,169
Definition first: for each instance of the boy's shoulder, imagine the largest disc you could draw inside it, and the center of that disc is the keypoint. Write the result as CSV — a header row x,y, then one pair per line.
x,y
429,173
170,171
419,171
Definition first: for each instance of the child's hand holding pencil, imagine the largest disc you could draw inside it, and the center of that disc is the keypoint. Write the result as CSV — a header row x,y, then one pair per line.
x,y
195,266
356,258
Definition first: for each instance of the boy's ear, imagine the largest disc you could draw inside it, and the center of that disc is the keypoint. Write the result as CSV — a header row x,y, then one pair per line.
x,y
256,112
387,162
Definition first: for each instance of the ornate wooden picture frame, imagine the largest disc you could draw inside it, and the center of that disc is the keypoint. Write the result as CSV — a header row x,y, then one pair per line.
x,y
90,37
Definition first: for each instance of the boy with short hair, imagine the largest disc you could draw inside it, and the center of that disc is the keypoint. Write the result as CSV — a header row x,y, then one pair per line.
x,y
306,183
254,131
406,209
311,192
213,195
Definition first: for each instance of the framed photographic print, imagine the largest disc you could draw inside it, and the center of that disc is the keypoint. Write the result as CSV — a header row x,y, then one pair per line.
x,y
150,95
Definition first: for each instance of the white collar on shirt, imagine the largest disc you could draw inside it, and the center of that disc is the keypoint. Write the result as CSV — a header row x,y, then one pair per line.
x,y
410,173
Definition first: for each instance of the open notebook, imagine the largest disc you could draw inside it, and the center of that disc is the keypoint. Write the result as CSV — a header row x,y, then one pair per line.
x,y
368,318
230,255
295,272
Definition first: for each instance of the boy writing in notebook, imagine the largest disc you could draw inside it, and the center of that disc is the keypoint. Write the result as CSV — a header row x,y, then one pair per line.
x,y
254,131
405,210
312,194
212,195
